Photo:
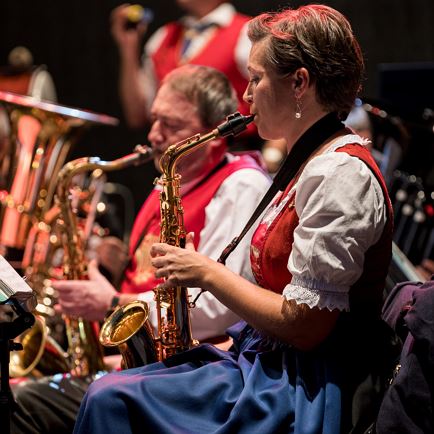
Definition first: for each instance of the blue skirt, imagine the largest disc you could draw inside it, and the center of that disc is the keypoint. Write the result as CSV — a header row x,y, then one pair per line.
x,y
256,387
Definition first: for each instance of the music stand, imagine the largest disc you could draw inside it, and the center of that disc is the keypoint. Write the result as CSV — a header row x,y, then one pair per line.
x,y
20,297
9,331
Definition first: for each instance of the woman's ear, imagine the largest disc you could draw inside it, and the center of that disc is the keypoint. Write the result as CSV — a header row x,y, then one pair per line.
x,y
301,81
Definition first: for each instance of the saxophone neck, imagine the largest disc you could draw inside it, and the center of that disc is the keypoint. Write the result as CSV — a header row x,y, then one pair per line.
x,y
141,154
73,242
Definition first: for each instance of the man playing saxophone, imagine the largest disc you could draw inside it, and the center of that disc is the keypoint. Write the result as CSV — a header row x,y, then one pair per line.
x,y
219,191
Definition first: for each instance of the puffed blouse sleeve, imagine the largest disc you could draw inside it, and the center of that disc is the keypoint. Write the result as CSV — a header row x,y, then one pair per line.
x,y
341,212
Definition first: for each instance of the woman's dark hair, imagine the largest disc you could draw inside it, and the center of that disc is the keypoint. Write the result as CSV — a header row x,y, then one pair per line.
x,y
207,88
320,39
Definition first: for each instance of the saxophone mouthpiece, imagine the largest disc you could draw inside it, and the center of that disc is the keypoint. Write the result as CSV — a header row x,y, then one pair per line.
x,y
235,124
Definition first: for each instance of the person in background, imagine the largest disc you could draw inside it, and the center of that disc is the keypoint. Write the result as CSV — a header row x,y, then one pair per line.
x,y
387,134
219,192
311,346
212,33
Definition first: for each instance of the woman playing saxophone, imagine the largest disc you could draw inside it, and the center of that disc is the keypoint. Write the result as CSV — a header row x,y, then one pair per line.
x,y
310,345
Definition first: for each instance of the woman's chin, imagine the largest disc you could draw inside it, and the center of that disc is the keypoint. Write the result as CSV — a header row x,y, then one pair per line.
x,y
266,134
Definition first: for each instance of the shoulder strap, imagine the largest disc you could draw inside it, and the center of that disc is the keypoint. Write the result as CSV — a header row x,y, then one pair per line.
x,y
302,149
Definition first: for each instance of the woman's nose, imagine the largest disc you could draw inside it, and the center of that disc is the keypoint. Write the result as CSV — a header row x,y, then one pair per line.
x,y
247,96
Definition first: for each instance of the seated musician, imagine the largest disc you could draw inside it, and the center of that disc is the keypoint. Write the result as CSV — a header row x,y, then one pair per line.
x,y
219,192
311,343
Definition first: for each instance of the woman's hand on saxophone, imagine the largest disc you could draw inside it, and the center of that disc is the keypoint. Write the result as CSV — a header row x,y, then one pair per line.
x,y
181,267
89,299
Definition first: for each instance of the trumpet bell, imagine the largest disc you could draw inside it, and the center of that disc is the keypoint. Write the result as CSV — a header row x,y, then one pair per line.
x,y
129,329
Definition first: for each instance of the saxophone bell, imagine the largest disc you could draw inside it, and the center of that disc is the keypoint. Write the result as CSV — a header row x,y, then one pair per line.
x,y
41,354
129,329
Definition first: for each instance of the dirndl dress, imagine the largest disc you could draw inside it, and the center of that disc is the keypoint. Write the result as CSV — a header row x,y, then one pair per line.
x,y
259,386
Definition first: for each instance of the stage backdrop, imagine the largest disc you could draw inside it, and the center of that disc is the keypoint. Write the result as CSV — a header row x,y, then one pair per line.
x,y
73,39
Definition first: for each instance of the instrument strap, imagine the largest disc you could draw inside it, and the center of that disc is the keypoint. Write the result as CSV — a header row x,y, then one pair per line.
x,y
303,148
300,152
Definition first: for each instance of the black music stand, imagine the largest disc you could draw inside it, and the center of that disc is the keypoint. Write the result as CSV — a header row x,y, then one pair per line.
x,y
9,331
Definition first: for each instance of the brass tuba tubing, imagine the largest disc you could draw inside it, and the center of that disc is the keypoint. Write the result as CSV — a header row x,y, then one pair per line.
x,y
41,135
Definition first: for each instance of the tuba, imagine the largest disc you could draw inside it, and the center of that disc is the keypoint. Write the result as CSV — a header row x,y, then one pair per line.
x,y
40,352
128,327
35,139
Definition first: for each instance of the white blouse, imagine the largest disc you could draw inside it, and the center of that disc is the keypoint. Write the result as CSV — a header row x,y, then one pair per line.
x,y
342,213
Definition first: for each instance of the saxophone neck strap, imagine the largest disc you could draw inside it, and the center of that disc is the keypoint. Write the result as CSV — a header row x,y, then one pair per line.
x,y
300,152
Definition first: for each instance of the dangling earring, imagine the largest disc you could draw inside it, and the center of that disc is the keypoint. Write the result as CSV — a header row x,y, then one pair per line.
x,y
297,108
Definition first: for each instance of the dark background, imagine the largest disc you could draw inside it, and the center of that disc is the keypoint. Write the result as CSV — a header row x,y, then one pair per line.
x,y
73,39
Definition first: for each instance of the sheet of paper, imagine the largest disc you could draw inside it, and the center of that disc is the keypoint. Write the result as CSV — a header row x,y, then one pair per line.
x,y
13,285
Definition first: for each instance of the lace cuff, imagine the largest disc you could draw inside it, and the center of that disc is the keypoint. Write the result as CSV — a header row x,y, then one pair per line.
x,y
320,294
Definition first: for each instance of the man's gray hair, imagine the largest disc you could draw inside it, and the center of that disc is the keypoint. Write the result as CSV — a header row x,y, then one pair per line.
x,y
207,88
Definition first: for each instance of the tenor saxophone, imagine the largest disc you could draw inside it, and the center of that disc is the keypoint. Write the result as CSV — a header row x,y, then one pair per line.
x,y
125,326
83,347
41,353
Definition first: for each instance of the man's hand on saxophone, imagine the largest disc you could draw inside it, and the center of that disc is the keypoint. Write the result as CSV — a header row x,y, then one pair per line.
x,y
90,299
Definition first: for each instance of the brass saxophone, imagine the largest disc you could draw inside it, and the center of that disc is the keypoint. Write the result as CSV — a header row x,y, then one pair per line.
x,y
84,354
83,347
128,326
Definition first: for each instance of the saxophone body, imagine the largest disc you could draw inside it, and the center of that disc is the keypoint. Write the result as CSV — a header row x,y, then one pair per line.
x,y
174,335
42,355
174,327
84,349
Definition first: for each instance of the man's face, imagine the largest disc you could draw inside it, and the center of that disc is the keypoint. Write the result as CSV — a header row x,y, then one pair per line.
x,y
174,118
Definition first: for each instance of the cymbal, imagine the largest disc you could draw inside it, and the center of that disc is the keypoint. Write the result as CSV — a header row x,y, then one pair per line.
x,y
30,102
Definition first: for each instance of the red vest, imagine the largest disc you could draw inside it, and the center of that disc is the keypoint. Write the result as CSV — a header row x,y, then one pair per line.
x,y
218,53
273,244
139,277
